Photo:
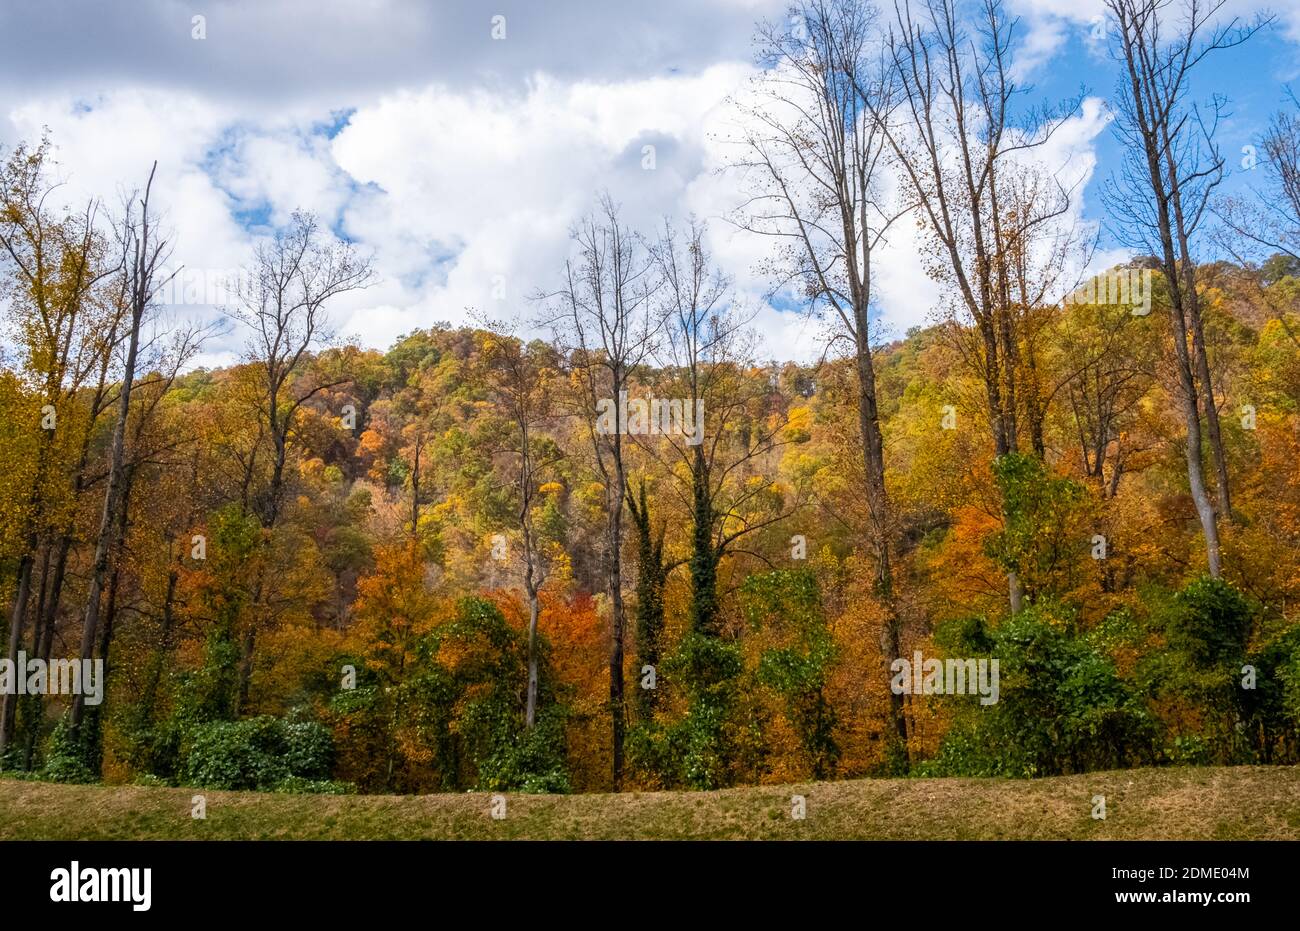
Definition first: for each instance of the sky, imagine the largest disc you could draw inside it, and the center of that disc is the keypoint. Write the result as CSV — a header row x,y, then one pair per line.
x,y
460,161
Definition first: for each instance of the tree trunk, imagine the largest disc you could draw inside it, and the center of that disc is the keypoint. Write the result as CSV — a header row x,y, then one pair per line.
x,y
415,492
704,563
534,609
530,589
1159,160
1188,400
17,621
649,600
94,738
873,455
1191,306
112,501
1222,488
149,695
247,651
618,713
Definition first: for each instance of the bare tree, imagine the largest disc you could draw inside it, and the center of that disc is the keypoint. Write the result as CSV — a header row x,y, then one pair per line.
x,y
719,453
144,254
1037,260
1163,194
282,302
958,147
812,153
1268,219
707,358
147,447
603,326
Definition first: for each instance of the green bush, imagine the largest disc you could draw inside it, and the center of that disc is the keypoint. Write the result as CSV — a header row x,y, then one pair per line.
x,y
700,749
526,760
1210,623
65,758
1206,628
1062,707
256,753
309,750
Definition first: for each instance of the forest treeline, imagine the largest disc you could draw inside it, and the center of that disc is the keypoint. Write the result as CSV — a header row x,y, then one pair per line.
x,y
501,556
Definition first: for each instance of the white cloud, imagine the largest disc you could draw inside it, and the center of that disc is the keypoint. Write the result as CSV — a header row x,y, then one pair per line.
x,y
284,169
493,183
458,186
461,195
104,148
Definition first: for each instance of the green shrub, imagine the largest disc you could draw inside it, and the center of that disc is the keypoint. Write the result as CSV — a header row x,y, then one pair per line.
x,y
1062,707
256,753
1271,709
65,758
309,750
1206,627
1210,624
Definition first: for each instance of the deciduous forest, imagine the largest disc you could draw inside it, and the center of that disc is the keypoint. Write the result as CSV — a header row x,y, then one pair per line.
x,y
606,538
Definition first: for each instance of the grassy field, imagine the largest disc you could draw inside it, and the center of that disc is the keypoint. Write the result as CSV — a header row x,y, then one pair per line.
x,y
1182,803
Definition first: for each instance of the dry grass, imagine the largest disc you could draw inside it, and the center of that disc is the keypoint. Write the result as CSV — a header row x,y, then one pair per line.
x,y
1174,803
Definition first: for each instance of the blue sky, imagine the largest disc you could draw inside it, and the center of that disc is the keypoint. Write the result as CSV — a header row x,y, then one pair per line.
x,y
1253,77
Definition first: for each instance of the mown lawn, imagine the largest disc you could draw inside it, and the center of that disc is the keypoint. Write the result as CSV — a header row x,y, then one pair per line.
x,y
1174,803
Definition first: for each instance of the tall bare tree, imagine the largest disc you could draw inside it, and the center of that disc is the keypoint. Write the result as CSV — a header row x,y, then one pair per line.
x,y
812,152
281,301
1163,194
958,145
149,446
604,327
707,358
1268,218
144,253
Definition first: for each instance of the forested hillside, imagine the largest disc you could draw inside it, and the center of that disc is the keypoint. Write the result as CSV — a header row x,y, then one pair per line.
x,y
606,540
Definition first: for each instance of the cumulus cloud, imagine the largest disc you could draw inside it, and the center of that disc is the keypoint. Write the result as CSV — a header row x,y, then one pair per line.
x,y
469,197
308,50
458,161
